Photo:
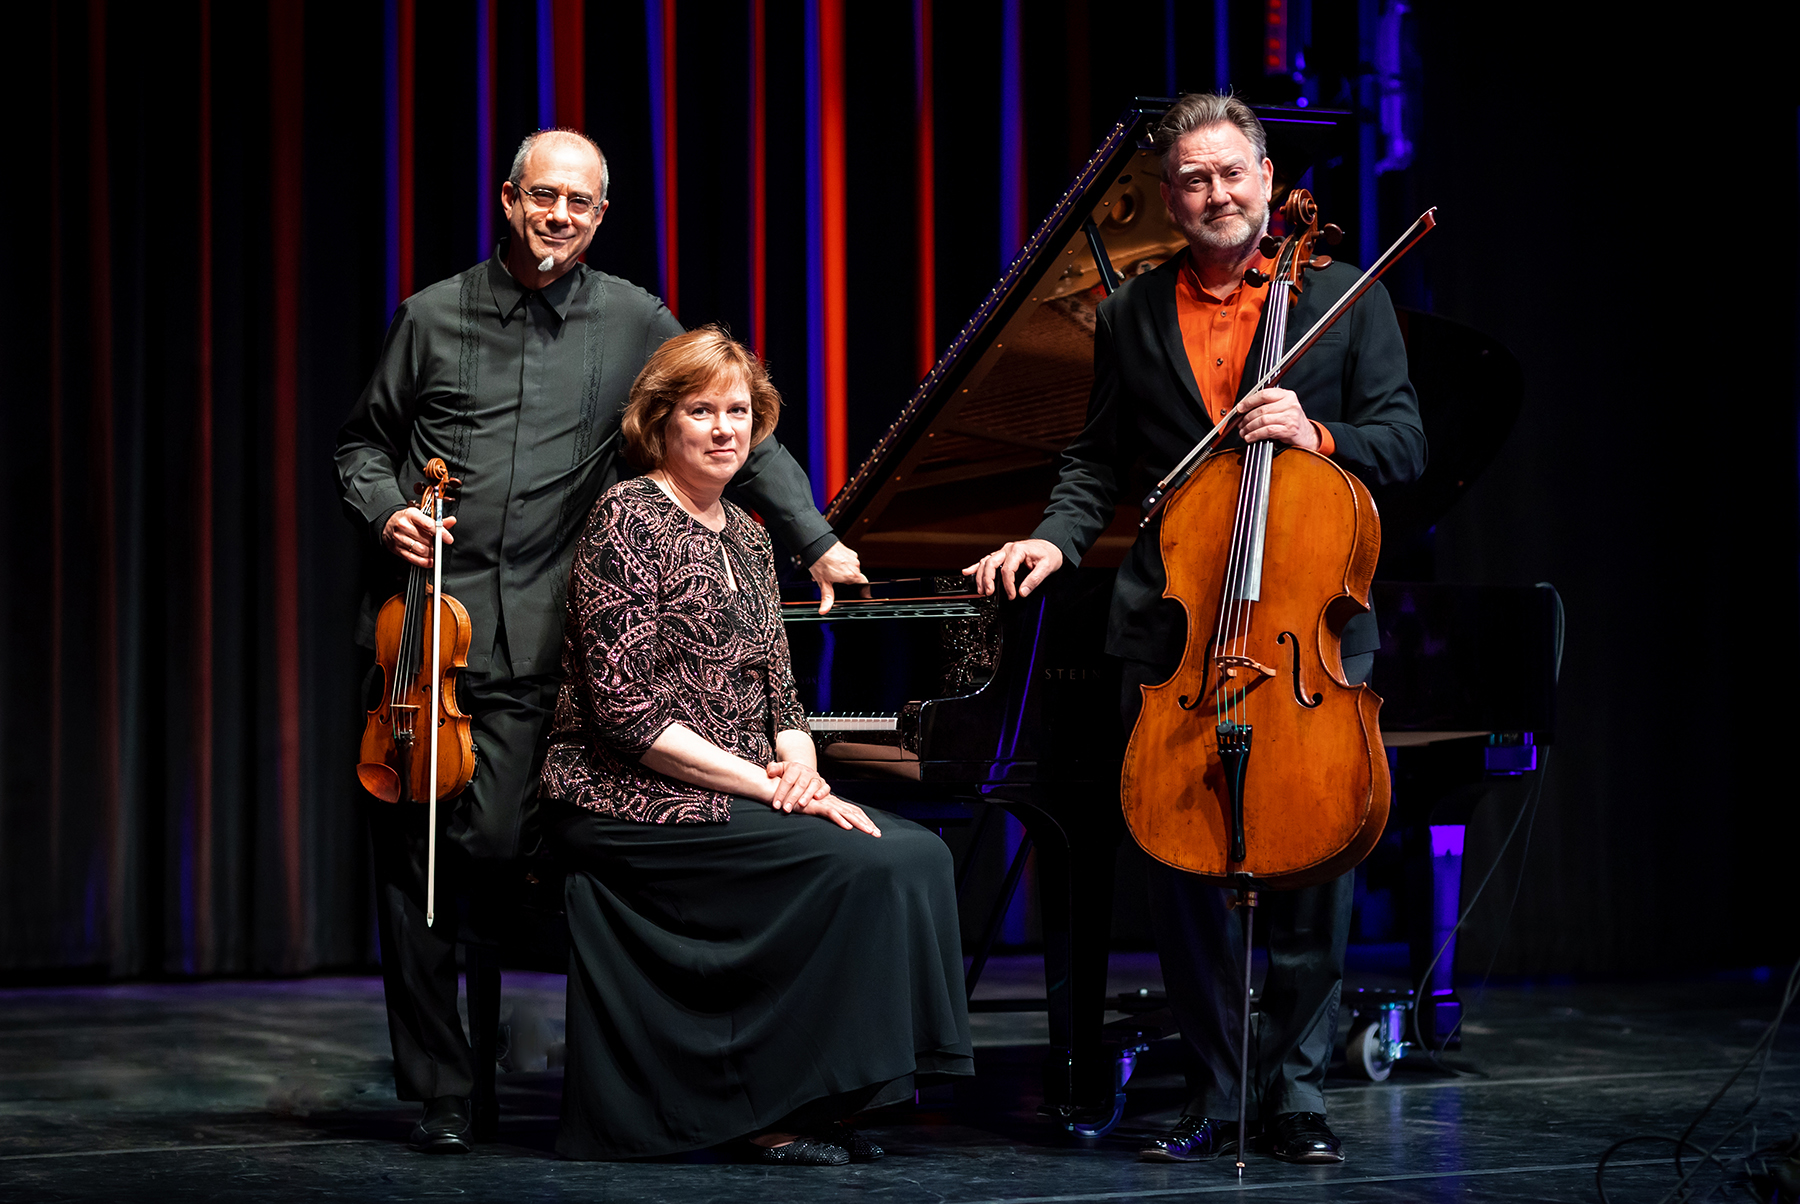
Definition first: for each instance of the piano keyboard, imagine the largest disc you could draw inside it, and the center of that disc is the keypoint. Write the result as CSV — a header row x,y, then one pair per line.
x,y
862,721
964,606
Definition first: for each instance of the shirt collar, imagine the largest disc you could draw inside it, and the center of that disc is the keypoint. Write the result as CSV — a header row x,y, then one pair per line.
x,y
508,294
1191,278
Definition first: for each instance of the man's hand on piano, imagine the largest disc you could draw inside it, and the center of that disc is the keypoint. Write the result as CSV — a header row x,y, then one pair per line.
x,y
795,784
1039,555
838,566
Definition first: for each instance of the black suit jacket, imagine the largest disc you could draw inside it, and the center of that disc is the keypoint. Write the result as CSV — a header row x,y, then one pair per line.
x,y
1145,413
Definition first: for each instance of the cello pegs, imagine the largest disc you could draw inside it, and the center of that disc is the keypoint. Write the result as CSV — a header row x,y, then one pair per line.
x,y
1334,233
1319,263
1269,246
1254,278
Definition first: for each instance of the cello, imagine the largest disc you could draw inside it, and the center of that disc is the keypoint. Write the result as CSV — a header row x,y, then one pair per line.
x,y
1269,555
419,647
1257,764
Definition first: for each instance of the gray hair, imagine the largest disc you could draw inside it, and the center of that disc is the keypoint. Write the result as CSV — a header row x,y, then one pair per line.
x,y
517,175
1197,110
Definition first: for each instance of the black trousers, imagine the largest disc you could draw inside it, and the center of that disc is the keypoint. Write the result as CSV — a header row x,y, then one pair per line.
x,y
482,829
1200,942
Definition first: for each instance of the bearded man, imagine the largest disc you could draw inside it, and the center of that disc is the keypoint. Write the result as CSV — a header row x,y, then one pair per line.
x,y
516,373
1171,352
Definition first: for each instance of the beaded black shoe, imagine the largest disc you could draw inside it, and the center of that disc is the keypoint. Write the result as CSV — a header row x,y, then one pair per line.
x,y
1192,1139
802,1151
841,1135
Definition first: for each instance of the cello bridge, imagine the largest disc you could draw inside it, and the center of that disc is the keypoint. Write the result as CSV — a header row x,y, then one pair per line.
x,y
1233,667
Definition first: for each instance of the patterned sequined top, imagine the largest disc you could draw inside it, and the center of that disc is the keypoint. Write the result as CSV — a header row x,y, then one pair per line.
x,y
656,635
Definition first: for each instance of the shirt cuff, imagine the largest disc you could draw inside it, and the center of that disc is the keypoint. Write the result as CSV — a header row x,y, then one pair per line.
x,y
1327,445
379,523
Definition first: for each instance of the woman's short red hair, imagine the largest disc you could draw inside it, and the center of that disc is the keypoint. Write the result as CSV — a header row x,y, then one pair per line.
x,y
681,367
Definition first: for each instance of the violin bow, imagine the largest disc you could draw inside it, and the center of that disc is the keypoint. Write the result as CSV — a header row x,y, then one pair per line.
x,y
1419,229
437,692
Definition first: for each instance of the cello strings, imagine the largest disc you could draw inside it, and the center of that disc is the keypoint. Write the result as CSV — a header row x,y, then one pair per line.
x,y
1235,607
1260,462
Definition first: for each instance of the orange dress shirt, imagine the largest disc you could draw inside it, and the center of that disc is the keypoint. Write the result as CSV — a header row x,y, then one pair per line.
x,y
1217,336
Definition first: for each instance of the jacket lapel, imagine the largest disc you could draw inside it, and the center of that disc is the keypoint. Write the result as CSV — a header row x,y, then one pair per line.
x,y
1161,300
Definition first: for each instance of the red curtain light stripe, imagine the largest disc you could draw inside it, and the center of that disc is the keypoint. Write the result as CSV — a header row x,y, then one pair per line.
x,y
759,178
670,208
570,42
834,240
286,100
925,199
405,54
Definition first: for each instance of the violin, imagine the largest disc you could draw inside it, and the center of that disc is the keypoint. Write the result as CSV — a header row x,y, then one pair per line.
x,y
417,743
1257,764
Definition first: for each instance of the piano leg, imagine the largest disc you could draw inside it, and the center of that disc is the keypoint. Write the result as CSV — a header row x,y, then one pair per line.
x,y
1075,839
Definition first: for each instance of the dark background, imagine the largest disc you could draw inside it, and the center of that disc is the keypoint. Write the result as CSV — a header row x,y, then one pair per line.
x,y
1618,203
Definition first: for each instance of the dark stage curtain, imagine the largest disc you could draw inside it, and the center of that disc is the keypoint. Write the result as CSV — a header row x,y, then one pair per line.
x,y
1600,178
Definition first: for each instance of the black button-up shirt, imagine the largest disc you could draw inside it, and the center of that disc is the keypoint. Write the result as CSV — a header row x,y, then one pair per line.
x,y
520,391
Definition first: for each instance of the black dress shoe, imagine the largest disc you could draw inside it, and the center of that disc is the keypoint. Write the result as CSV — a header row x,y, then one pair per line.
x,y
1192,1139
1304,1137
841,1135
444,1129
802,1151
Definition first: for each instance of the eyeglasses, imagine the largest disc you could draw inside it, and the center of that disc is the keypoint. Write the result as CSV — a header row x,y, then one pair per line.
x,y
580,205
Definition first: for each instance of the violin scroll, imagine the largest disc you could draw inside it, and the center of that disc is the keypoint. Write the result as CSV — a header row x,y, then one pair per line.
x,y
438,485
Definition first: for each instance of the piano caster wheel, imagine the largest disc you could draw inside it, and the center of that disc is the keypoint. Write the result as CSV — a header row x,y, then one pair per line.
x,y
1368,1055
1378,1041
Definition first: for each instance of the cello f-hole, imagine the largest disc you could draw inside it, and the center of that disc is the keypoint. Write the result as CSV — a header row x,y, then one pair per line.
x,y
1288,637
1205,676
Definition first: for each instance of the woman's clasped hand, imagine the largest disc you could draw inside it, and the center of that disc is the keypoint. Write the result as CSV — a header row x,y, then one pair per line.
x,y
798,787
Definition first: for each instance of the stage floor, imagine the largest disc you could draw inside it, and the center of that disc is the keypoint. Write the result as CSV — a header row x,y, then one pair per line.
x,y
239,1090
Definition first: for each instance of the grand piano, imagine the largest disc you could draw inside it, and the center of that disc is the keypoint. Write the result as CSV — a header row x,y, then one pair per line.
x,y
944,707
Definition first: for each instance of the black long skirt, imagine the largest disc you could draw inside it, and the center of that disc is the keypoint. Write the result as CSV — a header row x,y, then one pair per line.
x,y
725,977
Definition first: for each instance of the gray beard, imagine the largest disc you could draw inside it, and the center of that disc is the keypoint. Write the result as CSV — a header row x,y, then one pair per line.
x,y
1214,240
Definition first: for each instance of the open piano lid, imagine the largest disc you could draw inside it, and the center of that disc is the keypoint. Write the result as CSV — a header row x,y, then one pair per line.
x,y
971,459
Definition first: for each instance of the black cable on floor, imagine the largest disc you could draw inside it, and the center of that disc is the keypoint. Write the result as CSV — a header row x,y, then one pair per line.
x,y
1763,1049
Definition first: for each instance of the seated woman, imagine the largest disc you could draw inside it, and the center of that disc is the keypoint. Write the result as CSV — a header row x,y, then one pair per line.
x,y
753,956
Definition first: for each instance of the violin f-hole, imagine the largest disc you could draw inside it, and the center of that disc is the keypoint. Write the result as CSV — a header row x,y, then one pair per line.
x,y
1288,637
